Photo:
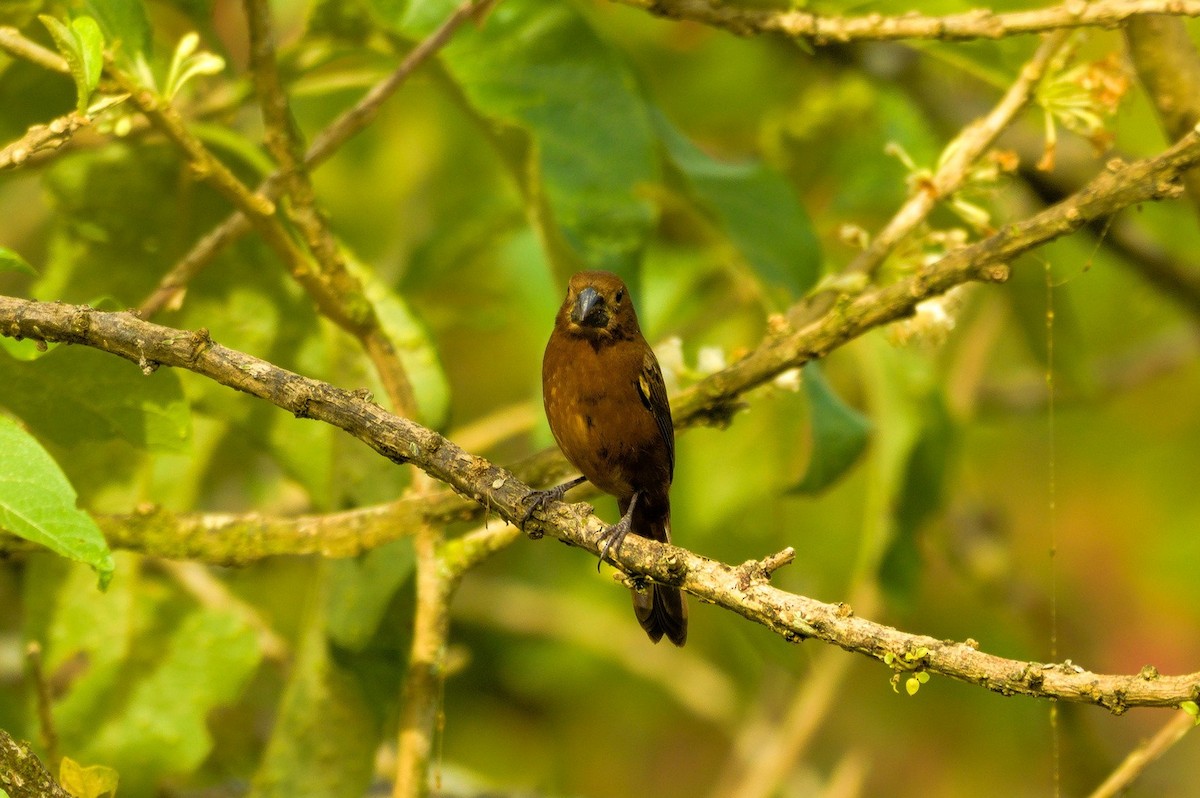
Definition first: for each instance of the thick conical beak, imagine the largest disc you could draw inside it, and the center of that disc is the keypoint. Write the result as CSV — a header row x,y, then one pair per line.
x,y
589,309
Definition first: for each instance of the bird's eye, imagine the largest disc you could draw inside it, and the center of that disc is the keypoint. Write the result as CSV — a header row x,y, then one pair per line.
x,y
620,295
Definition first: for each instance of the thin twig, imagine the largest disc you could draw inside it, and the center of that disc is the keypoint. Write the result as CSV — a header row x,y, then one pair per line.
x,y
980,23
337,294
37,670
16,45
1144,755
169,292
957,159
41,138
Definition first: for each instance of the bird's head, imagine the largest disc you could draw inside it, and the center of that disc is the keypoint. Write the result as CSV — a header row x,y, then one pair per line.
x,y
598,307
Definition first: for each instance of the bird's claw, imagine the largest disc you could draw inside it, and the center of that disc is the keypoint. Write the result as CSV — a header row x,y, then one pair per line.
x,y
538,499
613,536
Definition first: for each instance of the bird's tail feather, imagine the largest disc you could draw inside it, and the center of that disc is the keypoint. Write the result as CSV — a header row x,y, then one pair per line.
x,y
660,609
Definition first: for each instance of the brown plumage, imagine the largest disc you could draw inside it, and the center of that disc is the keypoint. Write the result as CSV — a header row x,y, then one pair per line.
x,y
607,407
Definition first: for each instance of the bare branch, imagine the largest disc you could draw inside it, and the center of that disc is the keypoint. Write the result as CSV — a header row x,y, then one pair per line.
x,y
980,23
423,682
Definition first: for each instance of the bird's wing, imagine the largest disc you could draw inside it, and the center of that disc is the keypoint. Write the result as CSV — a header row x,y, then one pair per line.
x,y
654,396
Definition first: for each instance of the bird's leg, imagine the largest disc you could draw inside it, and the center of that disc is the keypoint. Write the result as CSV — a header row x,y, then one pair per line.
x,y
540,498
613,536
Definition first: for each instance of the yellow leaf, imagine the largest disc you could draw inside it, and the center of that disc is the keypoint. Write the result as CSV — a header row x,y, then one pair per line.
x,y
87,782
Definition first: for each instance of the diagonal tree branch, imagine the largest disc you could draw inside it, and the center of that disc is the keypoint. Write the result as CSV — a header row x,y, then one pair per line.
x,y
16,45
236,539
286,146
22,775
957,159
41,138
1144,755
747,19
742,589
169,291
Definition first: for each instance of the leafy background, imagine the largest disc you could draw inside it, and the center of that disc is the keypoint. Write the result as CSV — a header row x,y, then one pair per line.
x,y
926,483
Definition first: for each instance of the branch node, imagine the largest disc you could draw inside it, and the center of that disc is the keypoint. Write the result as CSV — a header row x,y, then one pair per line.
x,y
995,273
201,340
759,571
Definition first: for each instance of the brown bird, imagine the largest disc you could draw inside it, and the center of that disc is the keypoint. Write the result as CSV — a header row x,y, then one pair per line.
x,y
607,407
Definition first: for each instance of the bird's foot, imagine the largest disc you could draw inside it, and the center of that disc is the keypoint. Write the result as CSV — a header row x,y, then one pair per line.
x,y
613,536
538,499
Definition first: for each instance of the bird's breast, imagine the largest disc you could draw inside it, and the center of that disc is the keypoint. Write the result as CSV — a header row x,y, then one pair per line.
x,y
596,413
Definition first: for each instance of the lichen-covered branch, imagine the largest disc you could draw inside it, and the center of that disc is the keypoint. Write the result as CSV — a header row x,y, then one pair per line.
x,y
748,19
243,538
796,341
22,775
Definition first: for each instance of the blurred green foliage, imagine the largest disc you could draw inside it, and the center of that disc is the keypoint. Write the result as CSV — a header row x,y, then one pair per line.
x,y
920,471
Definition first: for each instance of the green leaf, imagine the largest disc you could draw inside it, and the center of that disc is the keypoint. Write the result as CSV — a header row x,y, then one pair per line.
x,y
912,685
86,782
754,206
303,758
362,588
74,394
539,67
37,503
124,23
10,261
81,54
91,50
1193,709
839,434
161,729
